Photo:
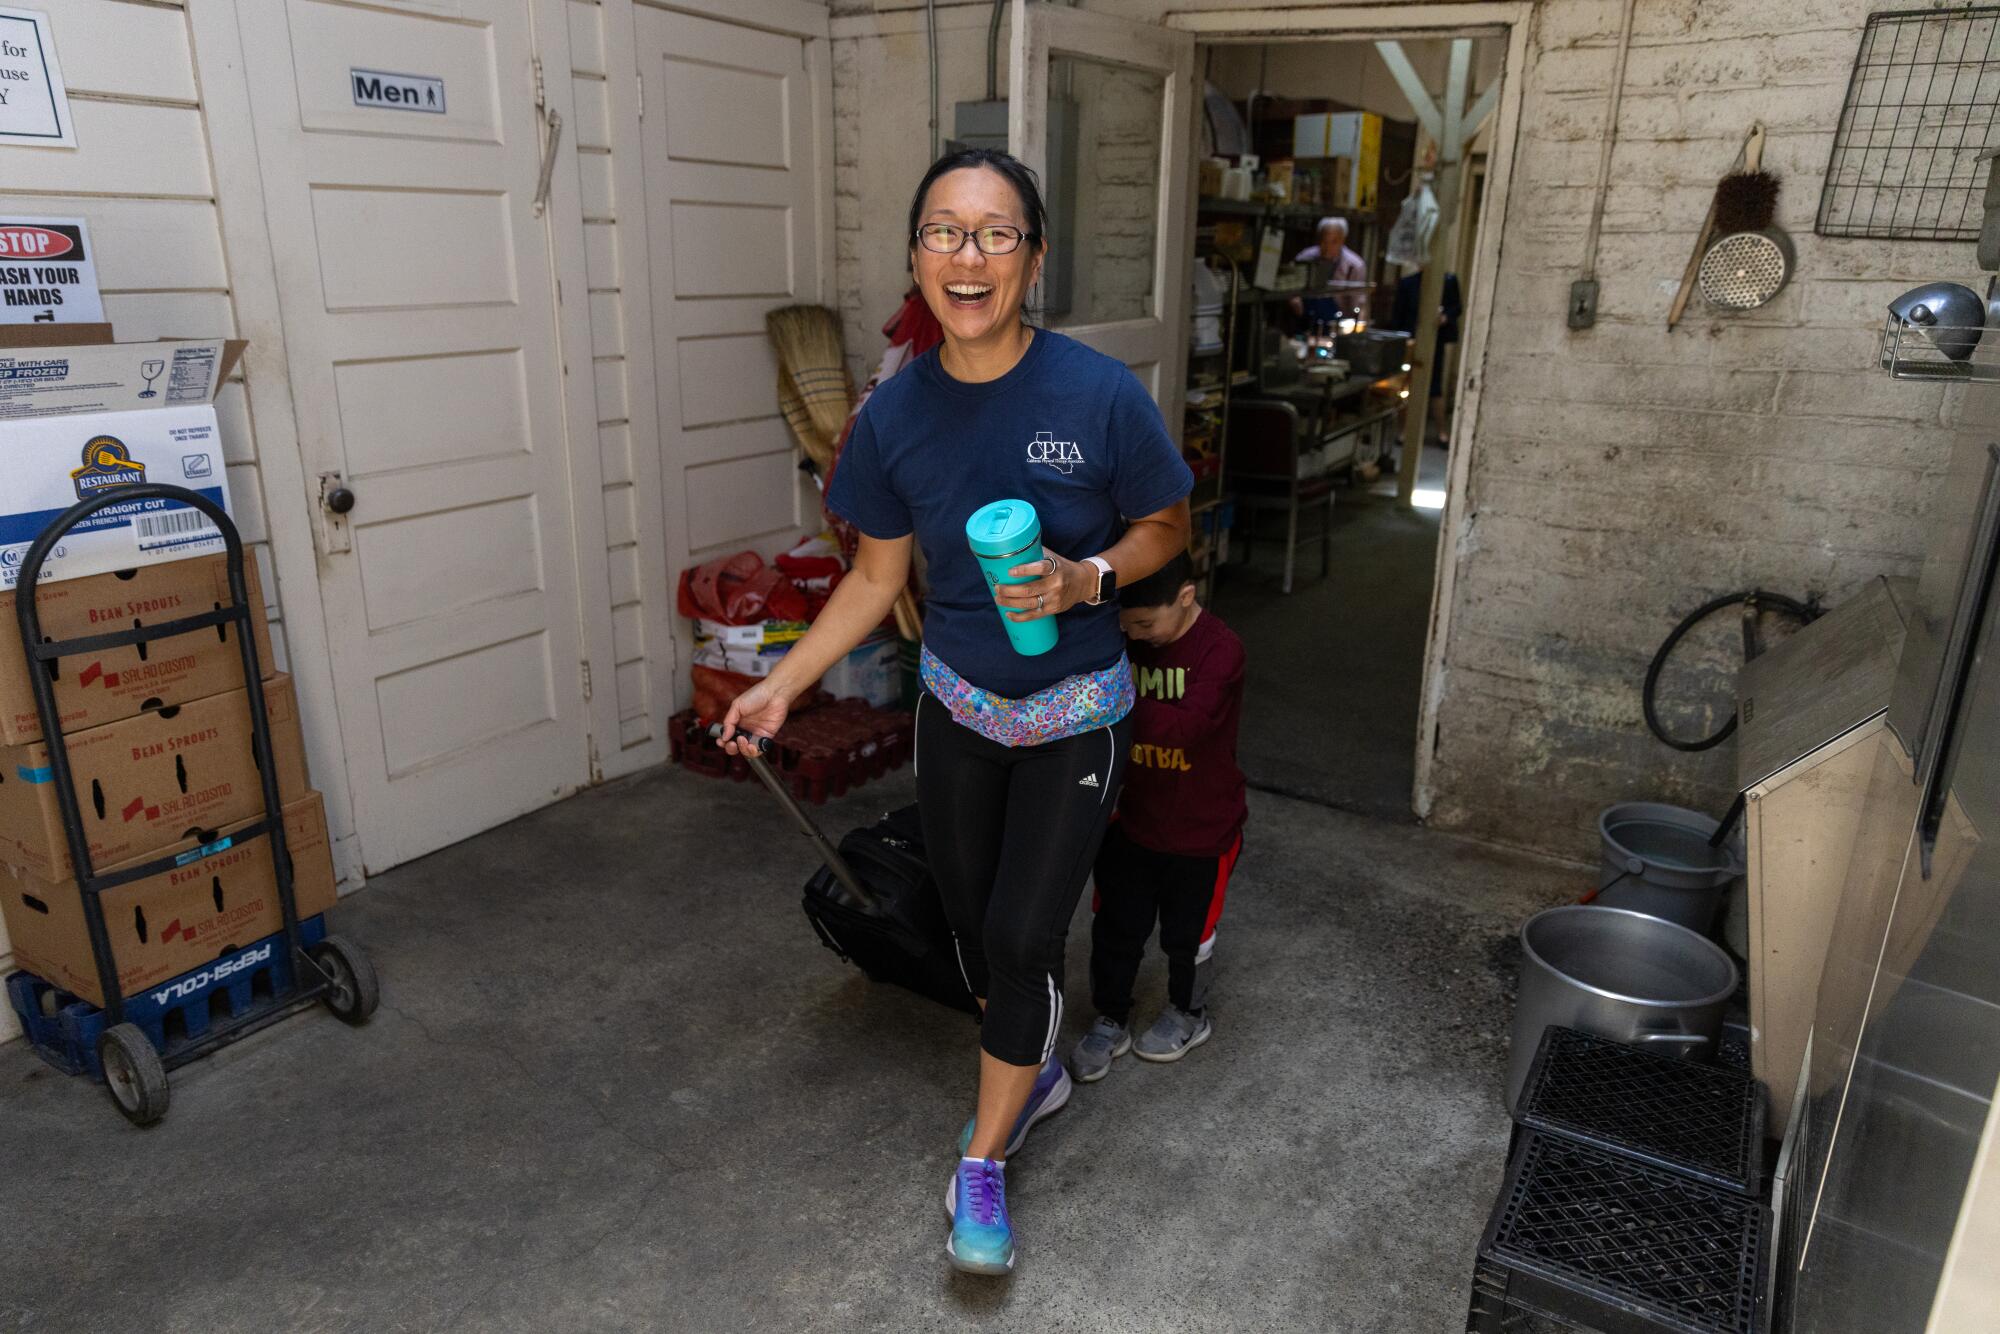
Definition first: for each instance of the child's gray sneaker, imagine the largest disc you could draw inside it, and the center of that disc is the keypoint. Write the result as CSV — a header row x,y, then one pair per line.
x,y
1173,1035
1104,1043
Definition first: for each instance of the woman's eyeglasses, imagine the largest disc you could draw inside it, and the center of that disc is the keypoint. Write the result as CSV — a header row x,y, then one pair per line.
x,y
943,238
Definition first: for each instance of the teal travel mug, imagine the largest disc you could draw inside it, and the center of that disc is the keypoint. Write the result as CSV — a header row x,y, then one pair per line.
x,y
1005,534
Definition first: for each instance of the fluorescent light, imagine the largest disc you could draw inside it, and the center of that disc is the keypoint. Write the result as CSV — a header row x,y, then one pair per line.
x,y
1404,394
1406,365
1425,499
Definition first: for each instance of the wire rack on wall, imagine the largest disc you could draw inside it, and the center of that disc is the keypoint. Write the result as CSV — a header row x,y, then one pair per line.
x,y
1921,106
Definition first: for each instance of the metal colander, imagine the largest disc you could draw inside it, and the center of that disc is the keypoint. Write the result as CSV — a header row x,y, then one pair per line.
x,y
1745,269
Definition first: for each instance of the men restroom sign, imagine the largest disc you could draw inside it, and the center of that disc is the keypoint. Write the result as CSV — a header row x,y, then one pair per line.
x,y
397,92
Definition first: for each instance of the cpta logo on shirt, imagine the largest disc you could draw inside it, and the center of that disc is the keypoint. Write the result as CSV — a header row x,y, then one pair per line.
x,y
1062,455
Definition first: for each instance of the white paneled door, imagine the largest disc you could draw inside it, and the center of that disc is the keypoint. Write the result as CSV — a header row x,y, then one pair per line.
x,y
401,147
737,223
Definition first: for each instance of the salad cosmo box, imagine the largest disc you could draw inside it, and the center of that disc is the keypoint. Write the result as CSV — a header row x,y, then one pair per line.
x,y
225,894
151,784
53,462
102,687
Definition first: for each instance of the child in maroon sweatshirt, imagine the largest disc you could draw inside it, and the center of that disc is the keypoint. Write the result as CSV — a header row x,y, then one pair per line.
x,y
1168,855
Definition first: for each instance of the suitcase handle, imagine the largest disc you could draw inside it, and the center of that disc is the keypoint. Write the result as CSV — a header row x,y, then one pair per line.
x,y
835,863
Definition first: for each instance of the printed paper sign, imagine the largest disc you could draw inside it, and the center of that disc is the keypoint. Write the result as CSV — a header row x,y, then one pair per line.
x,y
397,92
47,272
34,107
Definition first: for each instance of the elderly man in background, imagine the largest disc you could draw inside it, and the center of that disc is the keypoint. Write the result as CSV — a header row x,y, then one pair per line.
x,y
1347,275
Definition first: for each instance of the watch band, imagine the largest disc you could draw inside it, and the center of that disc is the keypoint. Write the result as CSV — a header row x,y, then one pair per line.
x,y
1103,569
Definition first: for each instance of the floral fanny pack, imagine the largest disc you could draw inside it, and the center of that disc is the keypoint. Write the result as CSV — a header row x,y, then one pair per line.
x,y
1070,707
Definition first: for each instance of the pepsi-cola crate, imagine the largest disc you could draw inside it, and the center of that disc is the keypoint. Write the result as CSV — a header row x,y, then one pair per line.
x,y
64,1029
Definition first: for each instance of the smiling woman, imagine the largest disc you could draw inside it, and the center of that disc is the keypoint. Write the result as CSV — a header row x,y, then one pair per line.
x,y
1019,753
978,234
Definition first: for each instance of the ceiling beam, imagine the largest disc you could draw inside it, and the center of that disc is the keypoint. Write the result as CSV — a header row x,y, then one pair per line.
x,y
1413,88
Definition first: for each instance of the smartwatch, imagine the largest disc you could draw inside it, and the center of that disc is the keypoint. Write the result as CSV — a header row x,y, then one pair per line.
x,y
1107,581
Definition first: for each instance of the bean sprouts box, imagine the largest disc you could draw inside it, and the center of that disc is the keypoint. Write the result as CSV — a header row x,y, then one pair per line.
x,y
79,421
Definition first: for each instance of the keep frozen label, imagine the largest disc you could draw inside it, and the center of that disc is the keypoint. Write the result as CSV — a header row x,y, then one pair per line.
x,y
110,377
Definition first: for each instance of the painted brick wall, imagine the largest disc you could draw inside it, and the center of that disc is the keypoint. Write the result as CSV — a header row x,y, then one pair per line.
x,y
1620,475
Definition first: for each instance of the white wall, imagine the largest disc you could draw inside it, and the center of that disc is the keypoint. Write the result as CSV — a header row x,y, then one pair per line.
x,y
140,175
165,172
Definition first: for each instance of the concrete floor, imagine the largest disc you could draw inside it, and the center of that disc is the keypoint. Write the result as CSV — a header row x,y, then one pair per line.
x,y
616,1083
1336,667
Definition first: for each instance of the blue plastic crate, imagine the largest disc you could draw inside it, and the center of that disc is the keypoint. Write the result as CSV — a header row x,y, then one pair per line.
x,y
64,1029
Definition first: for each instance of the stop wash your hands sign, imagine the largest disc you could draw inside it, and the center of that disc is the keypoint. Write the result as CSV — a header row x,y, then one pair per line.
x,y
48,274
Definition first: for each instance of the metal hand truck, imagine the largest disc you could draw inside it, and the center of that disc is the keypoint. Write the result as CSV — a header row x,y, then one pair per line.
x,y
311,965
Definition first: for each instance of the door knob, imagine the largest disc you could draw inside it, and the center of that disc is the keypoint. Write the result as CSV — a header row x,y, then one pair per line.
x,y
339,500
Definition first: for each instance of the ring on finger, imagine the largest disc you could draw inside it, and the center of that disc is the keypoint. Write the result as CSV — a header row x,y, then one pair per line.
x,y
1051,562
1040,599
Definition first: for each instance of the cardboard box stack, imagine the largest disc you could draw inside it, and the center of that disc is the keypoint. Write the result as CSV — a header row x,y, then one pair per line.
x,y
158,735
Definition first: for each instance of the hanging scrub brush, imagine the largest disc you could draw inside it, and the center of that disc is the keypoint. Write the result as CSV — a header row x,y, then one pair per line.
x,y
1745,201
1740,258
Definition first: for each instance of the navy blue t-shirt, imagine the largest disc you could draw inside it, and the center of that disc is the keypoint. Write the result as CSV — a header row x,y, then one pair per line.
x,y
1069,430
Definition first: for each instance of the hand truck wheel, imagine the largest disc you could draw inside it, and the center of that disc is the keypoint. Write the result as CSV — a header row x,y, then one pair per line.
x,y
353,991
133,1074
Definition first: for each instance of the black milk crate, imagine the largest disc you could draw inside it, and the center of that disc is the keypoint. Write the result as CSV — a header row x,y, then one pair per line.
x,y
1601,1242
1703,1120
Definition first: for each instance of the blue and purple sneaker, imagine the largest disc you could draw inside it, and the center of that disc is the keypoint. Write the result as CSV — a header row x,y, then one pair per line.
x,y
1051,1091
982,1236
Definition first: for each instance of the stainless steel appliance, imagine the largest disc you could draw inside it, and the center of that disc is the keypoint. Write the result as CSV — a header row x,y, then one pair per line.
x,y
1807,705
1885,1226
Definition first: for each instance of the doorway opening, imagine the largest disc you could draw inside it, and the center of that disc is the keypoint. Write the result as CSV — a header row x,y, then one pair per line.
x,y
1330,175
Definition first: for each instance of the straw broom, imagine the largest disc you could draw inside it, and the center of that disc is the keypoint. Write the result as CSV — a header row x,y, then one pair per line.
x,y
816,396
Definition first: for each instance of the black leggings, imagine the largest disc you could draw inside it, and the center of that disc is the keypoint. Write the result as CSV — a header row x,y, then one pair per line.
x,y
1011,832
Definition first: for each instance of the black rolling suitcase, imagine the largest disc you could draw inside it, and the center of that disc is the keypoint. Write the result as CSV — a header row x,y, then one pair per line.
x,y
873,901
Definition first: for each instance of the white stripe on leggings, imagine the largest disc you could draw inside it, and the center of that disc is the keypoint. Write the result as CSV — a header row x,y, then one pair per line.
x,y
1111,740
1055,1019
959,950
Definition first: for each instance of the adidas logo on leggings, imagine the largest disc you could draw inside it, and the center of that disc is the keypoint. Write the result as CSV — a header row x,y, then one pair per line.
x,y
1088,780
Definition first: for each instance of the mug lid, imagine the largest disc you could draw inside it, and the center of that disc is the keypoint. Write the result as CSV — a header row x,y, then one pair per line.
x,y
1002,528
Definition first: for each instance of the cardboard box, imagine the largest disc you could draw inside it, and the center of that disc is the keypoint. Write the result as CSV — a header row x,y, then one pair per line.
x,y
743,661
41,456
1340,183
1353,135
1210,172
39,380
173,922
873,672
97,688
151,784
756,637
1334,133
